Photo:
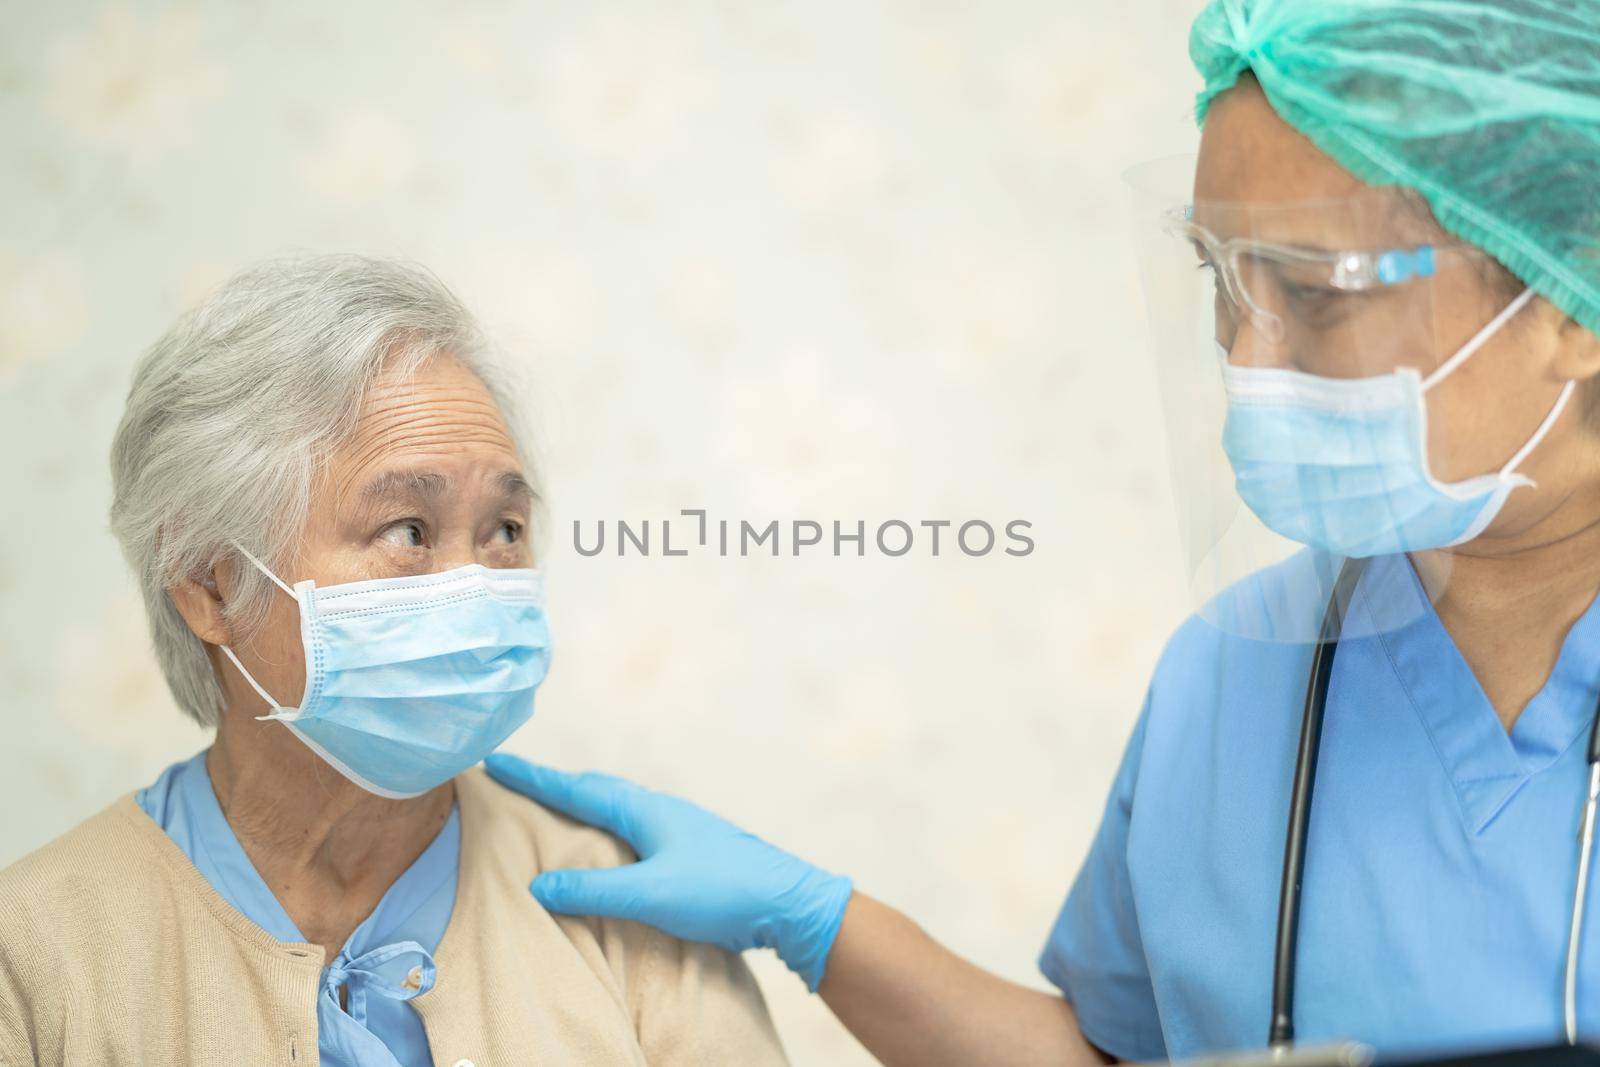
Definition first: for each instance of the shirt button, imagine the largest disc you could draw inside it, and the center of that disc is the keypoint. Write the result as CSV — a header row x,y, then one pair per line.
x,y
462,1063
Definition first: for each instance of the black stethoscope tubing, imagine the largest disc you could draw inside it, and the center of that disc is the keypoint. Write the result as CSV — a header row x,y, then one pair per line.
x,y
1281,1032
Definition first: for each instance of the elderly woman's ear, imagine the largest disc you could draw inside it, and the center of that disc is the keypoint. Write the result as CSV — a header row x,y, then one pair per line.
x,y
199,601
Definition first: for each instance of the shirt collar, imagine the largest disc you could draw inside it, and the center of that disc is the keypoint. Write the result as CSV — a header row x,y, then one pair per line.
x,y
1486,765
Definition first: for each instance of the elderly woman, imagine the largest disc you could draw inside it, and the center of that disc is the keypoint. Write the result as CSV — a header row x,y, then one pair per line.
x,y
319,483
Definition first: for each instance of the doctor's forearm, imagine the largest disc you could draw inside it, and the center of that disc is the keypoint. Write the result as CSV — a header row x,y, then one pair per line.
x,y
910,1000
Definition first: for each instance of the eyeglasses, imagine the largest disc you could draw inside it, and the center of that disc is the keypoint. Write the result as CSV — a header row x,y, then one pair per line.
x,y
1269,280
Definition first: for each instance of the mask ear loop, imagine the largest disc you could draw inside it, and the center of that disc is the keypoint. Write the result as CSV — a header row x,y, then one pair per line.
x,y
286,713
1476,343
278,710
264,569
1478,339
1538,435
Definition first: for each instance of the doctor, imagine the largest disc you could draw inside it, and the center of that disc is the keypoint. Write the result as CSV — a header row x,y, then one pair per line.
x,y
1390,257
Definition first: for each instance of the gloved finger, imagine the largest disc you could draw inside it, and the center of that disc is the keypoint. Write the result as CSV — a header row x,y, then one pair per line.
x,y
608,892
588,797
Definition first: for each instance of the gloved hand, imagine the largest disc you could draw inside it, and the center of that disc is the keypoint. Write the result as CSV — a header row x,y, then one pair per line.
x,y
699,877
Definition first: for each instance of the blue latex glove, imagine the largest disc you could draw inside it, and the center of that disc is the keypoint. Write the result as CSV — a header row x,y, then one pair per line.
x,y
699,877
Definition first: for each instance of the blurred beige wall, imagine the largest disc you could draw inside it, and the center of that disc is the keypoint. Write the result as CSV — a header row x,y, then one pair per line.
x,y
823,260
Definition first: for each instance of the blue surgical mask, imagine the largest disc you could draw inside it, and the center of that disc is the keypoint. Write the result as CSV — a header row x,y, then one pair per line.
x,y
1342,463
410,681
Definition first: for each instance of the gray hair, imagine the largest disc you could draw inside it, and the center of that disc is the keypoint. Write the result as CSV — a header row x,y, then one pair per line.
x,y
232,412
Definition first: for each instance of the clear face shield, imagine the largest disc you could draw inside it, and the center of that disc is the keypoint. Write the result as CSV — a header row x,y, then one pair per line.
x,y
1296,343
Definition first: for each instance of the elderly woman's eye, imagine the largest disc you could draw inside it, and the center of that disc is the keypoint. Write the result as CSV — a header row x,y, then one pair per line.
x,y
510,530
407,533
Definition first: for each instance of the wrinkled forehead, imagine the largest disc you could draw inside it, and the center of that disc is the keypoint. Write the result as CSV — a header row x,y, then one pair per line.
x,y
434,416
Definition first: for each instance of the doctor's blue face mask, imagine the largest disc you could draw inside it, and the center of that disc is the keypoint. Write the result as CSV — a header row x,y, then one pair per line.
x,y
412,680
1342,463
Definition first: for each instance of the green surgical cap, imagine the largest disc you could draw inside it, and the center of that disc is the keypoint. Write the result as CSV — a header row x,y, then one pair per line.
x,y
1490,109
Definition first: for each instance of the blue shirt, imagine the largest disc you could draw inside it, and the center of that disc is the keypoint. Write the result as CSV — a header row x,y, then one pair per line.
x,y
387,959
1440,862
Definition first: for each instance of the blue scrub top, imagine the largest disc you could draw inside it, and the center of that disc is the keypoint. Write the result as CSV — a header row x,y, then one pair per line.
x,y
1440,864
387,959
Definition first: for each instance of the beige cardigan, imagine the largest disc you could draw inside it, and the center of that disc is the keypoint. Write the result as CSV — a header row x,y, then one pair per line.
x,y
114,949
